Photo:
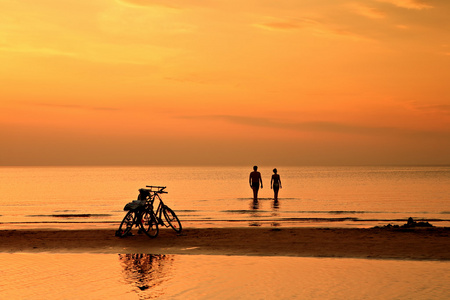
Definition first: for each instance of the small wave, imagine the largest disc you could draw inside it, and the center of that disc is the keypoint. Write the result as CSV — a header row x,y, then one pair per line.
x,y
237,211
264,199
321,219
294,219
339,212
403,220
72,215
336,212
246,211
61,222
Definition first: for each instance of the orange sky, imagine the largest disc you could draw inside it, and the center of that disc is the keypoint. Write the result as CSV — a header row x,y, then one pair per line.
x,y
289,82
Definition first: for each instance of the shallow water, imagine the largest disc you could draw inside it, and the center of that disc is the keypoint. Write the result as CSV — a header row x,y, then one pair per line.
x,y
143,276
220,196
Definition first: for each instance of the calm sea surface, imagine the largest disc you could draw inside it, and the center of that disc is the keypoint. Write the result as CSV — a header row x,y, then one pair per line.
x,y
83,197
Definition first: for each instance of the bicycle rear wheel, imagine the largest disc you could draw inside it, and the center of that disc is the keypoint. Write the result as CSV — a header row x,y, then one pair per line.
x,y
172,218
149,225
126,225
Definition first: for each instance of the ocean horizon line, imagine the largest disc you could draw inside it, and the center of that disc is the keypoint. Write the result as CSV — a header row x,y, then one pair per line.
x,y
220,165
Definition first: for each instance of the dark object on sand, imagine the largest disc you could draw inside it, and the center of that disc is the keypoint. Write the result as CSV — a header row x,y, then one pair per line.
x,y
412,224
409,224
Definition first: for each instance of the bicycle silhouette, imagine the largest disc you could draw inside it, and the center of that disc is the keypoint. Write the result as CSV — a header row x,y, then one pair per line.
x,y
141,213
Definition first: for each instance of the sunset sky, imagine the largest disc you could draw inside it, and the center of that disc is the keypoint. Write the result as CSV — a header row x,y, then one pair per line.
x,y
212,82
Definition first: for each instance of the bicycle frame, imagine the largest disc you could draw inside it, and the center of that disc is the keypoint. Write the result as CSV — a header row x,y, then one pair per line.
x,y
158,211
152,193
170,218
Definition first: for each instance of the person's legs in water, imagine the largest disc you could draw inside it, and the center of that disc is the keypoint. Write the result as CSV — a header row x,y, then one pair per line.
x,y
276,188
255,187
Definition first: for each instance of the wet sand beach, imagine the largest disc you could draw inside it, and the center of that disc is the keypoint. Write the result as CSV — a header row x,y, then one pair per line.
x,y
380,243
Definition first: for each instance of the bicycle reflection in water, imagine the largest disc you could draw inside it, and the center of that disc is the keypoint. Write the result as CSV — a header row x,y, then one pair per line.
x,y
145,272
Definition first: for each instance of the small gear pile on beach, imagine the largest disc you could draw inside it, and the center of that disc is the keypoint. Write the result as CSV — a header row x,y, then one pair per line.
x,y
409,224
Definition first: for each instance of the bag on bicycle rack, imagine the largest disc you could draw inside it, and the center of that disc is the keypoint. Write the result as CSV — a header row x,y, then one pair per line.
x,y
143,194
133,205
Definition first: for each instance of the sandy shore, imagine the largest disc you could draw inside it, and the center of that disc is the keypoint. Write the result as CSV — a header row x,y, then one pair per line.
x,y
417,244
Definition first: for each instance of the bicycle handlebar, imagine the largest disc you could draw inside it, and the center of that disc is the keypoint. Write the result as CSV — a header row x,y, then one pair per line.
x,y
160,189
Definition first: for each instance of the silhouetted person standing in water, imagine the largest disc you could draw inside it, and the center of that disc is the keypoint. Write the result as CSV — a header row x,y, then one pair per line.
x,y
275,184
255,180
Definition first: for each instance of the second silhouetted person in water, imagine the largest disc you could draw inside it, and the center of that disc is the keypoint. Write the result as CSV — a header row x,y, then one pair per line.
x,y
255,180
275,184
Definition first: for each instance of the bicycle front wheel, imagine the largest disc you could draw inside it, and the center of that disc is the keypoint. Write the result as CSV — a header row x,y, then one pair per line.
x,y
172,218
126,225
149,225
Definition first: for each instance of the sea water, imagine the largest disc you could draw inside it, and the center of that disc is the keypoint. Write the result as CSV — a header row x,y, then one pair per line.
x,y
85,197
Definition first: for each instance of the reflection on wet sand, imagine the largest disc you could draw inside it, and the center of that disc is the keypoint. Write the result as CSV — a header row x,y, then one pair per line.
x,y
50,276
145,272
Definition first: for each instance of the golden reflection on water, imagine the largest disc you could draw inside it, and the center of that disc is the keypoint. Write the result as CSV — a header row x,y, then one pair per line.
x,y
145,272
258,218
